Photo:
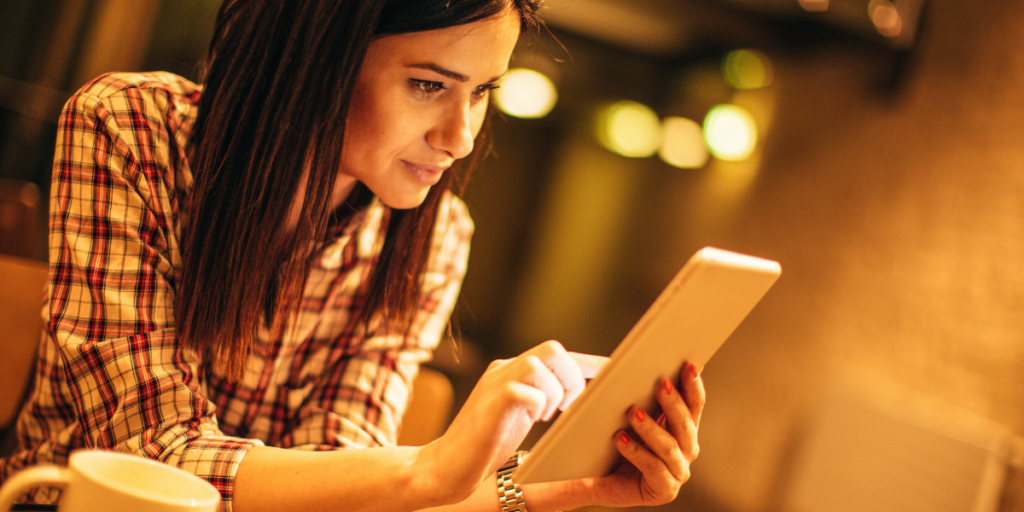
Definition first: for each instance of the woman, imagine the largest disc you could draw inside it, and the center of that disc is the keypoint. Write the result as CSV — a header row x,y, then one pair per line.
x,y
245,275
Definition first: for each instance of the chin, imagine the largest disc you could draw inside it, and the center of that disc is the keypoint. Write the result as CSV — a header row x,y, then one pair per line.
x,y
404,202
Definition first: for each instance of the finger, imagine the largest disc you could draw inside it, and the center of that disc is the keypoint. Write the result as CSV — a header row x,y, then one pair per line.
x,y
659,484
535,372
530,398
693,391
532,402
658,441
638,454
497,363
589,364
564,367
679,420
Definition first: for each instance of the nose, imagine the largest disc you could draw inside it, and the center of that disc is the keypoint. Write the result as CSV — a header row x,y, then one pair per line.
x,y
454,131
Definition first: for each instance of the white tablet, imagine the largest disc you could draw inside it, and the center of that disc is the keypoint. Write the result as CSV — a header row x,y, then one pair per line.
x,y
693,316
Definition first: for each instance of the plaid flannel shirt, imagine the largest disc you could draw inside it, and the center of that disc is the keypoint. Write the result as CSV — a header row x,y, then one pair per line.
x,y
110,373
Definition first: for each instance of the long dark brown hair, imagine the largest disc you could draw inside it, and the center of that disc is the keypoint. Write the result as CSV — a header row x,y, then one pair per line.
x,y
276,95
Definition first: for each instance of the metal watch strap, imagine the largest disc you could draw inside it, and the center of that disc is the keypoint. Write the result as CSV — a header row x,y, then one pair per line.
x,y
510,495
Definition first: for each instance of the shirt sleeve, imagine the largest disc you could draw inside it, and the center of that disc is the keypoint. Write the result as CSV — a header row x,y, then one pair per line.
x,y
113,252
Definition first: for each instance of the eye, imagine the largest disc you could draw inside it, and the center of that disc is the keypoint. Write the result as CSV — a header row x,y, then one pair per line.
x,y
482,90
426,87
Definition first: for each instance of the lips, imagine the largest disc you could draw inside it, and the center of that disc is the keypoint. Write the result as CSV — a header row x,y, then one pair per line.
x,y
426,174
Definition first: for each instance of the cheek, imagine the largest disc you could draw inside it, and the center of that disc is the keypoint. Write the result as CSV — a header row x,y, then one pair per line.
x,y
367,126
479,114
356,124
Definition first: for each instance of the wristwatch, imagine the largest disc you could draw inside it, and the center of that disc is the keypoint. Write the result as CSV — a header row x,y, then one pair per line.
x,y
510,495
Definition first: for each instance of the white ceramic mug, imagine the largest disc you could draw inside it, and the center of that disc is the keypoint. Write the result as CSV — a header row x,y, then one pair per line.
x,y
115,482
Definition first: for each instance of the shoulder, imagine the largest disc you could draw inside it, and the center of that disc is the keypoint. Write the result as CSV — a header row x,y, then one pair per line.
x,y
157,84
128,98
132,129
150,116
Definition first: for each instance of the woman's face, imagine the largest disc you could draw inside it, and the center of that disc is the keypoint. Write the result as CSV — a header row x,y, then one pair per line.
x,y
419,102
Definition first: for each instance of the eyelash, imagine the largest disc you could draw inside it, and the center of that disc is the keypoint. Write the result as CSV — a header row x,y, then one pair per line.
x,y
430,87
427,86
486,88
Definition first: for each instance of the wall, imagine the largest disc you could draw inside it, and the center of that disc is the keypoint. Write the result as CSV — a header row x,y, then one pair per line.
x,y
899,219
900,222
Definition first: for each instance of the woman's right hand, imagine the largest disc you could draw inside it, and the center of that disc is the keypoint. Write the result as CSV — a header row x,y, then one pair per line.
x,y
511,395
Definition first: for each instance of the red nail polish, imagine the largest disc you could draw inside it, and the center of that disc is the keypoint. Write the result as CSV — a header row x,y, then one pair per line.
x,y
623,438
667,386
693,372
640,414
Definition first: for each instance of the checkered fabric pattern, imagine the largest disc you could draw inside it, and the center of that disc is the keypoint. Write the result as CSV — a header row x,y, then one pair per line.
x,y
111,374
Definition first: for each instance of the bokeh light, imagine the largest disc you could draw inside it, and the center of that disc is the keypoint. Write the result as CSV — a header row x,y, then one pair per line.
x,y
683,143
629,129
885,17
526,93
730,132
747,69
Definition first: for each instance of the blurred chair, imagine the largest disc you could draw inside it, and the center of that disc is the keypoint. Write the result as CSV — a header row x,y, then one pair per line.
x,y
426,418
21,300
22,225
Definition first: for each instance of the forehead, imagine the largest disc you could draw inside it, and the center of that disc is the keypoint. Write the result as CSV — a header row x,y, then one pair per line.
x,y
473,45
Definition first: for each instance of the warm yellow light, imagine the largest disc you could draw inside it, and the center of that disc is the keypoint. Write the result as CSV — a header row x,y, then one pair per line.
x,y
526,93
683,143
747,69
730,132
885,17
630,129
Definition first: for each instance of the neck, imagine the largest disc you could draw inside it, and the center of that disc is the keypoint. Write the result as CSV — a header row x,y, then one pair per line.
x,y
343,186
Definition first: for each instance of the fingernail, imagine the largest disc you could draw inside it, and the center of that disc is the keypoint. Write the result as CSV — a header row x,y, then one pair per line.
x,y
666,385
693,371
640,414
623,438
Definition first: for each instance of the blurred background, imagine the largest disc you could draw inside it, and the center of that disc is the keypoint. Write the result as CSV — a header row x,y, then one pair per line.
x,y
874,148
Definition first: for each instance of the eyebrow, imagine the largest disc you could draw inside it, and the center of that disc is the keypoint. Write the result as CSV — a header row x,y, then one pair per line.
x,y
454,75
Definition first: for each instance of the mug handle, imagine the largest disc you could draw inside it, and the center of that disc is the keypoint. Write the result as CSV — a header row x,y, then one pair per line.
x,y
22,482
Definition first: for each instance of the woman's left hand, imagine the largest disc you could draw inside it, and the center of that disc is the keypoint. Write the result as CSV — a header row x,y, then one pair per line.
x,y
659,455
